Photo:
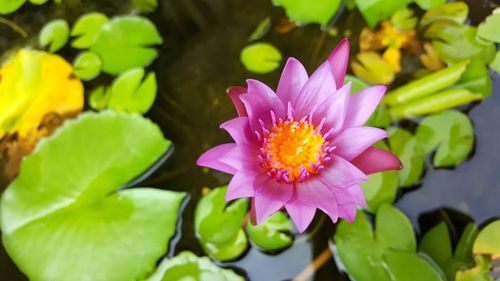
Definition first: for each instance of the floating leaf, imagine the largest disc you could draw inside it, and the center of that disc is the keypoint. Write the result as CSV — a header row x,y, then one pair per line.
x,y
273,234
99,98
451,132
65,202
404,19
38,2
260,57
187,266
478,273
450,12
375,11
124,43
224,243
305,11
410,267
488,30
33,85
410,152
54,34
429,4
146,6
373,68
86,29
495,64
487,241
130,94
369,256
9,6
476,79
87,65
261,29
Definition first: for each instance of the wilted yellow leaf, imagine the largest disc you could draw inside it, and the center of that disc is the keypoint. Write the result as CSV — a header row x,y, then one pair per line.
x,y
32,85
430,58
373,68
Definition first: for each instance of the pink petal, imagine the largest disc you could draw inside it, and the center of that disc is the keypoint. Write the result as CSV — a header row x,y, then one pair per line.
x,y
319,86
338,60
346,202
272,100
334,109
353,141
301,215
293,78
211,158
241,185
374,160
241,156
313,192
358,195
240,130
259,102
341,173
234,93
362,105
270,196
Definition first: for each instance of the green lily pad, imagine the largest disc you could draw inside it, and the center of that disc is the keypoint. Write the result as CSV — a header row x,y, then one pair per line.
x,y
487,241
410,152
125,42
38,2
87,65
145,6
374,11
456,12
495,64
273,234
221,243
86,28
410,267
131,94
55,35
451,132
429,4
476,79
404,19
305,11
479,273
187,266
260,58
99,98
488,30
9,6
369,256
62,218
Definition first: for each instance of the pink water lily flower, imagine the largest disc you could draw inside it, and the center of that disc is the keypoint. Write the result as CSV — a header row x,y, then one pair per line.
x,y
305,146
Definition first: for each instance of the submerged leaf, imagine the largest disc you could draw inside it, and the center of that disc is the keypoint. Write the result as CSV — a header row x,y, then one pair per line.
x,y
305,11
54,34
187,266
65,202
271,235
487,241
86,29
211,213
145,6
125,42
261,29
87,65
410,152
131,94
451,132
260,57
33,85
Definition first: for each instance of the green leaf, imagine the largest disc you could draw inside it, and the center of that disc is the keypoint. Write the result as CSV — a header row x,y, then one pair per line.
x,y
87,65
260,57
211,213
99,98
38,2
357,84
86,29
62,218
9,6
273,234
124,43
456,12
451,132
489,30
476,79
374,11
261,29
495,64
361,252
409,267
187,266
145,6
487,241
478,273
54,34
410,152
131,94
404,19
305,11
429,4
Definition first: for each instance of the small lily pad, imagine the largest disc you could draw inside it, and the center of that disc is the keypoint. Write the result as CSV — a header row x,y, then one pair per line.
x,y
487,241
404,19
99,98
305,11
488,30
9,6
429,4
451,132
221,243
273,234
412,155
126,42
55,35
187,266
86,28
260,57
495,64
456,12
374,11
87,65
131,94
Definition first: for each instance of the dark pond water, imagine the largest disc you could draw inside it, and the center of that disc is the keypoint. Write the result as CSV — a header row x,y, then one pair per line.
x,y
200,59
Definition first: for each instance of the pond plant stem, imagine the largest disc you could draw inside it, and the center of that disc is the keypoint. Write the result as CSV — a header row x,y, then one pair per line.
x,y
14,27
318,262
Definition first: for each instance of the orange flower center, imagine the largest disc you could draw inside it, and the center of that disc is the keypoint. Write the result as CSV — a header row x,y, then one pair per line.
x,y
293,150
